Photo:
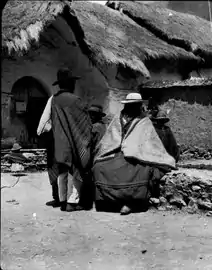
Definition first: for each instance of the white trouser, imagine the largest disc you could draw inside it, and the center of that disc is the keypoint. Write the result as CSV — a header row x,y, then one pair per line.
x,y
69,188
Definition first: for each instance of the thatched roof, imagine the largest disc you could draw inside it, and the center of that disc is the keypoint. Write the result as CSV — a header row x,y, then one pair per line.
x,y
118,39
187,31
103,33
22,22
192,82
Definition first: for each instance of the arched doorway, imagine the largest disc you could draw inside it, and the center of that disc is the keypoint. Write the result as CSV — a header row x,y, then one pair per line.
x,y
29,100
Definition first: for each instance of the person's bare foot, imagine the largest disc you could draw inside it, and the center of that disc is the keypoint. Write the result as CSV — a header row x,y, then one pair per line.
x,y
125,210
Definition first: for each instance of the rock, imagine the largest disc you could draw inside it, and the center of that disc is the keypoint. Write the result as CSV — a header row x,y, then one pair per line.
x,y
155,201
205,196
29,155
169,207
178,201
196,188
202,182
209,214
201,151
192,206
187,156
168,195
16,167
192,210
192,202
161,208
163,200
204,205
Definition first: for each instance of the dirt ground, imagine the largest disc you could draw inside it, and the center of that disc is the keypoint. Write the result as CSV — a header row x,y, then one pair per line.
x,y
37,237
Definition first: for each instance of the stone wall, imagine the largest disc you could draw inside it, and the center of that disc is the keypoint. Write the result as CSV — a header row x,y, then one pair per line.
x,y
190,190
185,189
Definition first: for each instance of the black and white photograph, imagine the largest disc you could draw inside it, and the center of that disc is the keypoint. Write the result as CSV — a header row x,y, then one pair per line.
x,y
106,135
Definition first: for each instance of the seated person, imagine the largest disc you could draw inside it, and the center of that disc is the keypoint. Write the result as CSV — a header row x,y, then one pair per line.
x,y
99,127
165,134
15,156
129,156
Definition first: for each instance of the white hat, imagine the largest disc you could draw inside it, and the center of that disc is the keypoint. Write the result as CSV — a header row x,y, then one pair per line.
x,y
133,98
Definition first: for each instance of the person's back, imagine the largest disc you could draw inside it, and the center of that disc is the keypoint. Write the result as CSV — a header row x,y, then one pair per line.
x,y
65,99
71,128
165,134
167,137
98,126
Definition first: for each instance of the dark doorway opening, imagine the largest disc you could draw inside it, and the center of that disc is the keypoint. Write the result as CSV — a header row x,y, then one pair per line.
x,y
28,103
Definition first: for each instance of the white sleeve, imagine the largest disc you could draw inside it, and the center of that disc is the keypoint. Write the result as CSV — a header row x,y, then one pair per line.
x,y
45,120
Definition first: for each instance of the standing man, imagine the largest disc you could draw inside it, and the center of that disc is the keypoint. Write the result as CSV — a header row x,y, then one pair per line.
x,y
45,130
71,128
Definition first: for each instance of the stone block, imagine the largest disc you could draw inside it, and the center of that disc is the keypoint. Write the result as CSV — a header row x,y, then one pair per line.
x,y
196,188
205,205
154,201
178,201
163,200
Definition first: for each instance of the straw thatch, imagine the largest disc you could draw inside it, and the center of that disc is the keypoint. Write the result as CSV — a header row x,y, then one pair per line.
x,y
192,82
120,40
23,21
187,31
104,34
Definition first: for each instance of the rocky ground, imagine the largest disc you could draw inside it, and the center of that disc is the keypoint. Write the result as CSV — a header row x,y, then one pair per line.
x,y
187,189
36,237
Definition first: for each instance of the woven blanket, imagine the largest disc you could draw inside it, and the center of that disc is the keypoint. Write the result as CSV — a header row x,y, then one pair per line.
x,y
140,142
72,131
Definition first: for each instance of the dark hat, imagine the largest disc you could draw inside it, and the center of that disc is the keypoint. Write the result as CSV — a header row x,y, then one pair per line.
x,y
65,75
16,147
97,109
161,116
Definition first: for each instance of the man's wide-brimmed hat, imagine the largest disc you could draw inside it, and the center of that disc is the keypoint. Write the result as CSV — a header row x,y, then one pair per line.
x,y
16,147
162,116
134,98
65,75
97,109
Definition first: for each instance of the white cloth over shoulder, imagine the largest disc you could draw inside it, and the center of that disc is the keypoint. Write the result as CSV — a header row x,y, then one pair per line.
x,y
45,124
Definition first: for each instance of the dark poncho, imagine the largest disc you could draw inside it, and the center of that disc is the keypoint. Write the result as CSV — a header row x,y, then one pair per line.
x,y
71,127
167,137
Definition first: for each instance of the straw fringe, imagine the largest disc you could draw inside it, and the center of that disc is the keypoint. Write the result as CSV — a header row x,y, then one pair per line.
x,y
192,82
107,36
18,33
134,64
26,36
120,40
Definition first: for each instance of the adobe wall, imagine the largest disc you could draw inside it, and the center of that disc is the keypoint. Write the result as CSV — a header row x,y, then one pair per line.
x,y
190,114
43,64
57,50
